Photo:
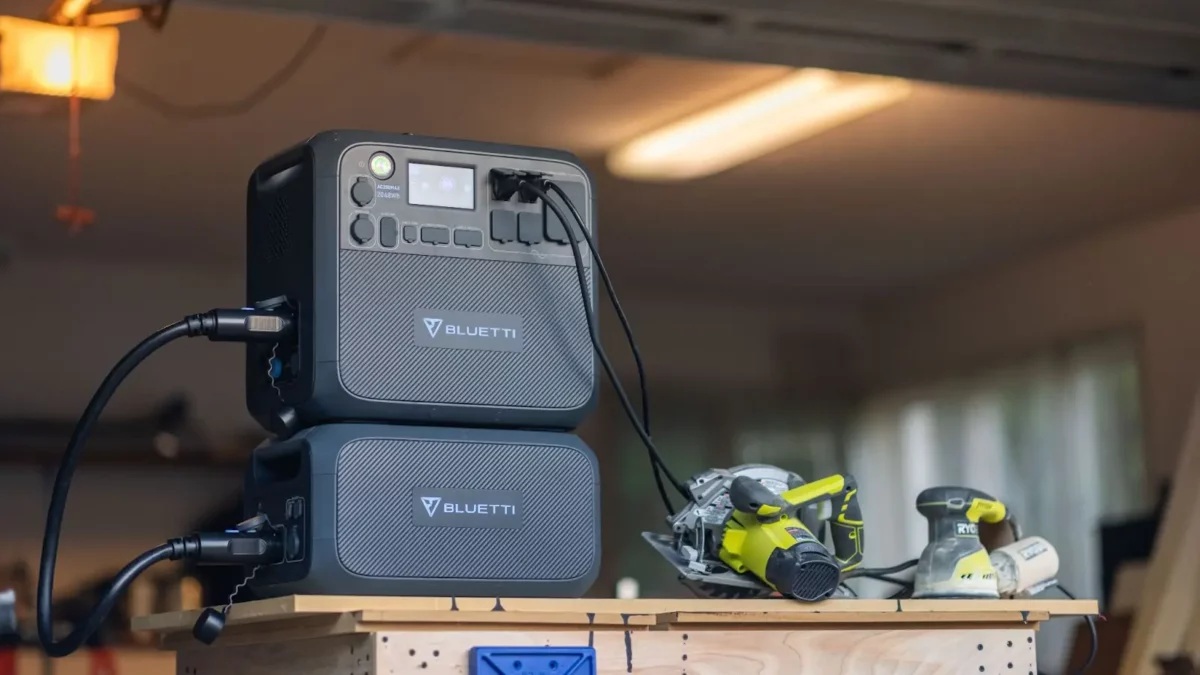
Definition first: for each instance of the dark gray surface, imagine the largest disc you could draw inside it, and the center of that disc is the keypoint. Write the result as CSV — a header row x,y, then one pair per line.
x,y
378,535
361,483
357,359
384,355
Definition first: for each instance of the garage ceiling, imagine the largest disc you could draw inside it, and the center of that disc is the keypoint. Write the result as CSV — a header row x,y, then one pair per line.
x,y
949,180
1128,50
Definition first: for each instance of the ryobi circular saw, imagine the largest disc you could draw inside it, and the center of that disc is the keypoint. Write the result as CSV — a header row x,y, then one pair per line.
x,y
756,529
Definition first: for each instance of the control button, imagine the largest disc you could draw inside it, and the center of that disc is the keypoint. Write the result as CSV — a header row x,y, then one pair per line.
x,y
362,230
389,232
469,238
298,507
435,235
362,192
529,227
410,233
555,230
504,226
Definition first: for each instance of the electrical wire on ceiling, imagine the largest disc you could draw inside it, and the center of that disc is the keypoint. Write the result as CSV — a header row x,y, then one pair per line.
x,y
171,110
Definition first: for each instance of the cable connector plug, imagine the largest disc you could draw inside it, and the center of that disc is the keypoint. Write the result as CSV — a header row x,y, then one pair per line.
x,y
509,182
242,325
232,547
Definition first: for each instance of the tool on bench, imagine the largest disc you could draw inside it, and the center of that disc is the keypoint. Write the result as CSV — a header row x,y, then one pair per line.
x,y
955,563
757,529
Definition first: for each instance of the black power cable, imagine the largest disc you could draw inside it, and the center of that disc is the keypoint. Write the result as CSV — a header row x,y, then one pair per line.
x,y
1091,622
655,457
242,325
620,311
875,572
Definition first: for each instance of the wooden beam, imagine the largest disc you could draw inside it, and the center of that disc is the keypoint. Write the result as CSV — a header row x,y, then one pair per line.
x,y
1171,589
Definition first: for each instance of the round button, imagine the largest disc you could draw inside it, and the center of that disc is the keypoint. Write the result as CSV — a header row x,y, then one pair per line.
x,y
362,230
362,192
382,165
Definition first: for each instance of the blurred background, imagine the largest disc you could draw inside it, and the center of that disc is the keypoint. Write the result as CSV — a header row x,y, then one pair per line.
x,y
984,280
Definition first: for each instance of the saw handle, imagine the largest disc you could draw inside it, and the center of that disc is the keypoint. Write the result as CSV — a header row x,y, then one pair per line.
x,y
847,521
847,528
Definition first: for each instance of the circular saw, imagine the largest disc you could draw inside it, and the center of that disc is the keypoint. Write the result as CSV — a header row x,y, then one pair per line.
x,y
756,530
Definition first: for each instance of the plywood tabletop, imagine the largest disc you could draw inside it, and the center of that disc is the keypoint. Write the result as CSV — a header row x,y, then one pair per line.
x,y
365,614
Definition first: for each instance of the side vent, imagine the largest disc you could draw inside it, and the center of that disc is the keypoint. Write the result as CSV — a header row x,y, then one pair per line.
x,y
278,233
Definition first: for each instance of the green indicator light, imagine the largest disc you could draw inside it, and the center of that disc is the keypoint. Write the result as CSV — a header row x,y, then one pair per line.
x,y
382,166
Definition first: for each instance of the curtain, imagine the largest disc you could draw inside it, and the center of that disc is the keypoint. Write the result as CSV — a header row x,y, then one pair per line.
x,y
1056,439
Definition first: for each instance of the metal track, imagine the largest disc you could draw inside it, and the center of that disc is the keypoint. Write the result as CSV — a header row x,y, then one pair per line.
x,y
1142,51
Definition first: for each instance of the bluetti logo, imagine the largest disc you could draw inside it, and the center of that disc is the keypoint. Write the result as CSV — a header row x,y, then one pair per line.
x,y
437,507
432,325
468,330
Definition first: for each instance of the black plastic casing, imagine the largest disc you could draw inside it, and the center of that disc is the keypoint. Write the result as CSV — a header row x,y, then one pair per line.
x,y
359,307
372,509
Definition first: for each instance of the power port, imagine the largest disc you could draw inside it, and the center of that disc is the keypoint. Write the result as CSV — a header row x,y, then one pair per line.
x,y
505,184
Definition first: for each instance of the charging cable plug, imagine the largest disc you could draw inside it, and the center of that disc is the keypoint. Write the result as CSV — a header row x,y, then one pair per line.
x,y
255,547
231,547
241,325
509,182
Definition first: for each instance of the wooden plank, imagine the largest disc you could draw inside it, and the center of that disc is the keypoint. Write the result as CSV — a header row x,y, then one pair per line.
x,y
612,612
1127,588
766,652
570,618
117,661
957,618
243,612
284,630
344,655
1171,586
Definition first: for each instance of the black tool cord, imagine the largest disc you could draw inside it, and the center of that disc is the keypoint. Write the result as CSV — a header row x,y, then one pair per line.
x,y
655,457
620,312
1091,622
58,505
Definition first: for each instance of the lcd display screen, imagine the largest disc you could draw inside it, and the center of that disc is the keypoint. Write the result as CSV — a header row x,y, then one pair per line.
x,y
451,187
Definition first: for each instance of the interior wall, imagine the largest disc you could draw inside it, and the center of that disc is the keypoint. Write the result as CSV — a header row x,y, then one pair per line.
x,y
1142,276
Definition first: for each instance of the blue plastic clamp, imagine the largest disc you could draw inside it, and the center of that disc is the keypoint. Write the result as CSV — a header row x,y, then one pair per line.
x,y
533,661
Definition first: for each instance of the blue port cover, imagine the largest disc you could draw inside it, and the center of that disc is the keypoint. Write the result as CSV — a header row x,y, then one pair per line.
x,y
533,661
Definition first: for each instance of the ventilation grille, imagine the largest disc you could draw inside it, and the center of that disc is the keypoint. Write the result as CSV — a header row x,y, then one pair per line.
x,y
278,232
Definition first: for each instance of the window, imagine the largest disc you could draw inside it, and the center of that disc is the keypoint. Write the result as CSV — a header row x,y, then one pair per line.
x,y
1058,440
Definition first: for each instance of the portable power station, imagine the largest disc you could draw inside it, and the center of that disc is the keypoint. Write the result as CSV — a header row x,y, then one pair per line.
x,y
374,509
423,292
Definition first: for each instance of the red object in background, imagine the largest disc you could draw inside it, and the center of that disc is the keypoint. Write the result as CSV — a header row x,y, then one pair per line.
x,y
101,662
8,661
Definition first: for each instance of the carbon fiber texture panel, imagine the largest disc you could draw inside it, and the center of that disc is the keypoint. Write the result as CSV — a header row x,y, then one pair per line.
x,y
377,537
379,358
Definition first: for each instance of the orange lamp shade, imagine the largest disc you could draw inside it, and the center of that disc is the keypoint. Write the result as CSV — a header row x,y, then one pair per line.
x,y
43,58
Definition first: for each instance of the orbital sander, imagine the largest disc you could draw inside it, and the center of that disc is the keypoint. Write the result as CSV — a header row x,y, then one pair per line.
x,y
955,563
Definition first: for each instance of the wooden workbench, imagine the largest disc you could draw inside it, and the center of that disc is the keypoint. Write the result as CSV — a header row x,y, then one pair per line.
x,y
324,635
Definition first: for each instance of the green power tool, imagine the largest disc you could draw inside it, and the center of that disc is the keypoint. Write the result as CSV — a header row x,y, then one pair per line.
x,y
955,563
765,536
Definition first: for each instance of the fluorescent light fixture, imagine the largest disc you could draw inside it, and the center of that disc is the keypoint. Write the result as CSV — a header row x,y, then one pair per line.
x,y
43,58
796,107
